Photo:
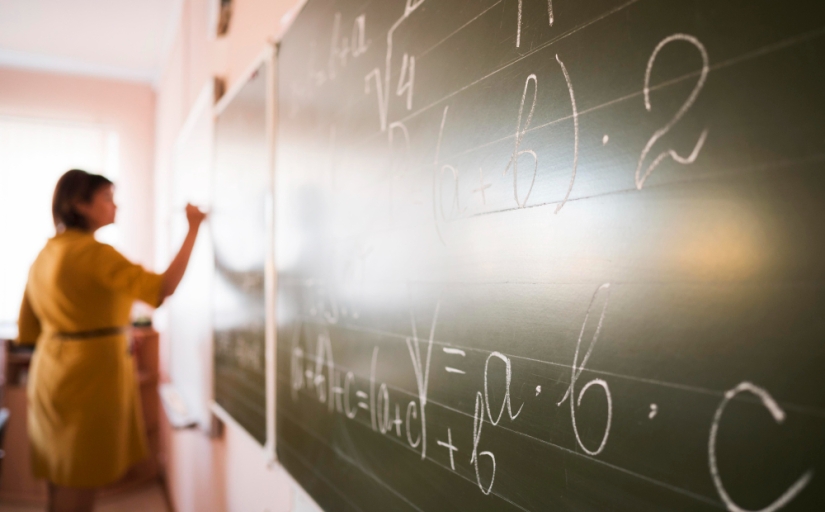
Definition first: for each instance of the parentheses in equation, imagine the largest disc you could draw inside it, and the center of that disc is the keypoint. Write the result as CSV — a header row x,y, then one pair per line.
x,y
349,380
436,176
398,125
779,417
641,177
383,409
478,422
550,19
455,207
412,410
577,368
324,383
506,403
520,131
575,134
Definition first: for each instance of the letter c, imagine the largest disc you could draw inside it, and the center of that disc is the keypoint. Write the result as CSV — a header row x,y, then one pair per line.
x,y
778,416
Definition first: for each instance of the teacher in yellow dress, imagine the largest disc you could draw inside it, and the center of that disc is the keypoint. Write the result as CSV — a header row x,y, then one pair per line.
x,y
84,414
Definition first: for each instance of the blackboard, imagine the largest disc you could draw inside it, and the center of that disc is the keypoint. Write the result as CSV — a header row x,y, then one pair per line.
x,y
554,255
241,190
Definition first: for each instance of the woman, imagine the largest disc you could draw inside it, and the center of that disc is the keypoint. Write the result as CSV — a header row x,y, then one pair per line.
x,y
84,414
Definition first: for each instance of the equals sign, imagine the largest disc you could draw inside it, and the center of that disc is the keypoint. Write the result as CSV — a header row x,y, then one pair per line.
x,y
454,352
362,396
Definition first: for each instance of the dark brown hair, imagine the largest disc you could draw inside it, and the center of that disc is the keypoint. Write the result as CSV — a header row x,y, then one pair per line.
x,y
75,186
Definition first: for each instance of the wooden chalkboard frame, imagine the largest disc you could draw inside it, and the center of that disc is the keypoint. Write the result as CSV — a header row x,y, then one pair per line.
x,y
266,61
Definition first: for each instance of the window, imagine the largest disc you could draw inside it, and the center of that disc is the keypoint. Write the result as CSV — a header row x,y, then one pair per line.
x,y
33,155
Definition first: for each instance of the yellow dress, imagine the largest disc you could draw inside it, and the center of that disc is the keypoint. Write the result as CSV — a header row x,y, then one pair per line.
x,y
84,420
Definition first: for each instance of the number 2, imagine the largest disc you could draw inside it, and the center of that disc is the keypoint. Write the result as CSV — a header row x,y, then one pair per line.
x,y
642,176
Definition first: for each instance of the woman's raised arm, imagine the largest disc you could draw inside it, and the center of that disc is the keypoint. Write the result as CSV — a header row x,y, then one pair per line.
x,y
174,274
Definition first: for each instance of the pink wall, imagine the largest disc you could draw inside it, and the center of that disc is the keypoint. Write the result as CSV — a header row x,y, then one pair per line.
x,y
230,473
129,108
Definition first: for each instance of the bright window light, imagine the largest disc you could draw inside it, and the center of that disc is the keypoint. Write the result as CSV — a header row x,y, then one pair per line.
x,y
33,155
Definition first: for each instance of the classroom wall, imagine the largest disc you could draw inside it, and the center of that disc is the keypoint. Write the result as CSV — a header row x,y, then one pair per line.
x,y
126,107
229,473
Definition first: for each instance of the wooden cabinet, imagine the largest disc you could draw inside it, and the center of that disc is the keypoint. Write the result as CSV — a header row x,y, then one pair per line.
x,y
16,481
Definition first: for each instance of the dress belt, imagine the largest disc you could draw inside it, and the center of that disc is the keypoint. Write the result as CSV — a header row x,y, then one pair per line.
x,y
96,333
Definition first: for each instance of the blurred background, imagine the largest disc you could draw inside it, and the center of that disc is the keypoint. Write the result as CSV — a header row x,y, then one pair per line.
x,y
126,89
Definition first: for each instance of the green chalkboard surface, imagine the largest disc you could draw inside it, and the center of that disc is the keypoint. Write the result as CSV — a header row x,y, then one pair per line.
x,y
238,223
562,255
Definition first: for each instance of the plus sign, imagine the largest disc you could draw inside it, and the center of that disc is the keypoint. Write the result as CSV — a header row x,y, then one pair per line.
x,y
397,421
481,188
449,445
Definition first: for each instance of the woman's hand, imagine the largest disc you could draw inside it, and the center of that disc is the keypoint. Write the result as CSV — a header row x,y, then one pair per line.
x,y
194,216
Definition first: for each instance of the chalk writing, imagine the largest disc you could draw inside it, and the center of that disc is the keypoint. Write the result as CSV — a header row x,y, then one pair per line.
x,y
342,48
436,199
507,378
422,371
382,80
449,446
407,79
475,458
779,416
577,368
641,176
520,131
550,19
570,352
482,186
575,134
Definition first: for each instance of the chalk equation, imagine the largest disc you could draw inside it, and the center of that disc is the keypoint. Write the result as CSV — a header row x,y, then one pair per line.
x,y
495,155
459,192
401,414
